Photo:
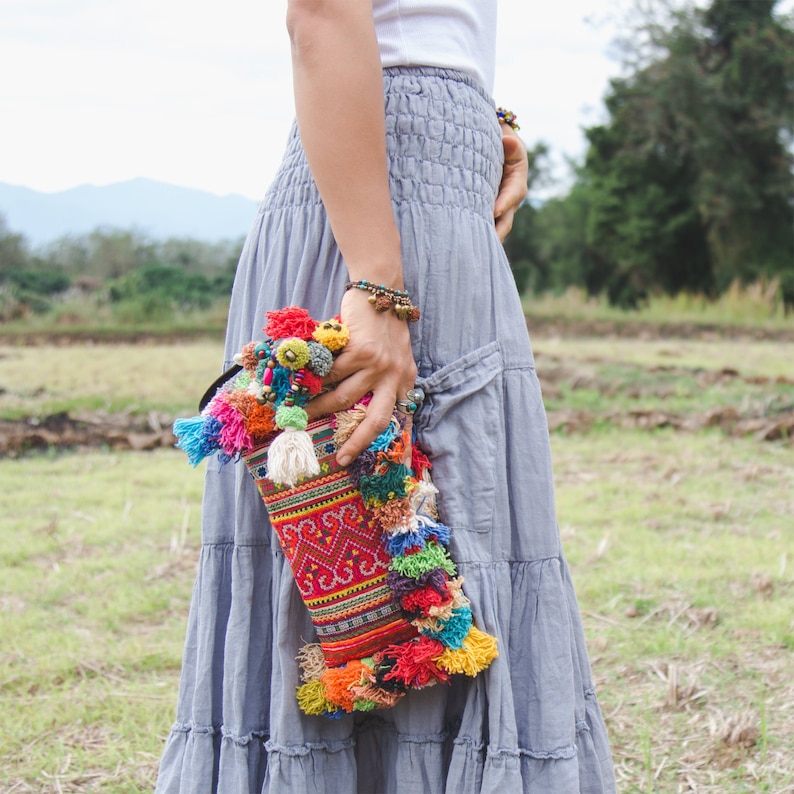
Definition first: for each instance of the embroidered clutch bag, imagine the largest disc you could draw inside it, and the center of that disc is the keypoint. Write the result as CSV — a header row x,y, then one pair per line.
x,y
367,551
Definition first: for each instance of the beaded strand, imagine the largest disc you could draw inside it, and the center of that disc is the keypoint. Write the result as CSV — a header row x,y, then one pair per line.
x,y
383,298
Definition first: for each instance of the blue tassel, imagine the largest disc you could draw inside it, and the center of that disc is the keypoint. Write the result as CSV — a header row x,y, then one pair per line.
x,y
455,630
400,542
195,438
430,528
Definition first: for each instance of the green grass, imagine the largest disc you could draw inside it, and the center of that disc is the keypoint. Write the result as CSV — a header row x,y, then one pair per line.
x,y
98,553
37,381
79,318
757,306
681,546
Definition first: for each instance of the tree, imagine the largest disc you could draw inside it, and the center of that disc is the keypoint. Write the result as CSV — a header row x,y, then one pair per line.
x,y
14,252
690,181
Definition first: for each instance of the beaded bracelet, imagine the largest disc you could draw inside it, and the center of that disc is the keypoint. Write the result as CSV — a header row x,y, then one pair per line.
x,y
508,117
383,299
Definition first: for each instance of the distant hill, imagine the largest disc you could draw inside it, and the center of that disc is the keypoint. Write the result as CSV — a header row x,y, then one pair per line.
x,y
155,208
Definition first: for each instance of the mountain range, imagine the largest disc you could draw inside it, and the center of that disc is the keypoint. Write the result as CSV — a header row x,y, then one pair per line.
x,y
156,209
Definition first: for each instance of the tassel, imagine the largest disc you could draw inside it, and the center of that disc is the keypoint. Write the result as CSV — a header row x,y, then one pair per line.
x,y
312,700
477,652
413,663
193,438
432,556
291,457
452,632
339,680
312,662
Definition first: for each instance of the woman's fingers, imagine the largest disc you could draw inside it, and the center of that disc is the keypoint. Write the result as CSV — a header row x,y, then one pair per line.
x,y
377,360
513,187
379,415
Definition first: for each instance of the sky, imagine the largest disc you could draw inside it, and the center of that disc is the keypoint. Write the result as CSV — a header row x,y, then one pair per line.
x,y
198,94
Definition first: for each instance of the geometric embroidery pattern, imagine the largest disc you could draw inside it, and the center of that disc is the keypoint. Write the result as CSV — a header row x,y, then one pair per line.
x,y
337,555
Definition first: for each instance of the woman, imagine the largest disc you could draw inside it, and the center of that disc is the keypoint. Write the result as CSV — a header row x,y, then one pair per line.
x,y
408,200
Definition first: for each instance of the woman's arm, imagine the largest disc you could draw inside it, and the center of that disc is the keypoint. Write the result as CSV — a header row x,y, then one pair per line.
x,y
338,85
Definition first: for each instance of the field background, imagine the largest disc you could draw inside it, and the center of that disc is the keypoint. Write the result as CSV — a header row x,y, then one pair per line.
x,y
675,484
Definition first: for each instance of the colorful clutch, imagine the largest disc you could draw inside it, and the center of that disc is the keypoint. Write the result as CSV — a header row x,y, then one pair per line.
x,y
367,551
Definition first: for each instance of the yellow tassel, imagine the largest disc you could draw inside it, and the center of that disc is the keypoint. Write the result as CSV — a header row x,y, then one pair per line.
x,y
478,651
311,698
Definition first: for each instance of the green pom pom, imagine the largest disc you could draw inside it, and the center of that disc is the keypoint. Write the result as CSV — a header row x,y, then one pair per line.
x,y
291,416
432,556
293,353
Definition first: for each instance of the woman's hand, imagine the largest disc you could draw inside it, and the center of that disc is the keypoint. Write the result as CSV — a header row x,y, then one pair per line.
x,y
377,359
513,187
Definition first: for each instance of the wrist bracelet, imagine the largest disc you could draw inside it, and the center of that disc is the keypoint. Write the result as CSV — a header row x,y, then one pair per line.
x,y
508,117
383,299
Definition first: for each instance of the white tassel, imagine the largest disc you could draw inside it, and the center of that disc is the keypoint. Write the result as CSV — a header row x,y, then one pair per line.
x,y
423,497
291,457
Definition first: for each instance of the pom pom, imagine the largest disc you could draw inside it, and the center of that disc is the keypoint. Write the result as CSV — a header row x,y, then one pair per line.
x,y
428,529
370,693
346,422
320,359
339,680
361,466
260,421
280,383
402,543
423,498
384,440
233,438
293,353
420,601
419,462
388,482
393,515
311,383
292,321
413,663
432,556
452,632
478,651
291,457
401,585
291,416
248,358
332,334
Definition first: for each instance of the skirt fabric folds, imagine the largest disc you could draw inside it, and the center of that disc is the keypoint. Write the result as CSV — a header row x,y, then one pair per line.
x,y
531,722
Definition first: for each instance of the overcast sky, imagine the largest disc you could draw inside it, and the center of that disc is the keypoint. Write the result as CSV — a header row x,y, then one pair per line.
x,y
198,94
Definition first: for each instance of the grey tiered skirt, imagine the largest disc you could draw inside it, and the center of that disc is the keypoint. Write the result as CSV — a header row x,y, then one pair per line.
x,y
531,722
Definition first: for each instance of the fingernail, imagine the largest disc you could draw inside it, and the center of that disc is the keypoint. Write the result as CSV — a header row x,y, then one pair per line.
x,y
344,460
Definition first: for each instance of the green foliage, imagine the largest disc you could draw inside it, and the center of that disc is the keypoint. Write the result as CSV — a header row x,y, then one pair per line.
x,y
39,281
688,185
162,285
143,281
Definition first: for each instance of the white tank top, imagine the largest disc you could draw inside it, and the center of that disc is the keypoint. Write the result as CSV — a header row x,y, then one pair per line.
x,y
451,34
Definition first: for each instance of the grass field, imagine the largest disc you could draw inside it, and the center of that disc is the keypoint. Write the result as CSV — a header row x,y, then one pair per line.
x,y
681,543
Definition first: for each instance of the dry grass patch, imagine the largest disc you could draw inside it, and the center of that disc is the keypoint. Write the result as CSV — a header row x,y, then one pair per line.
x,y
681,549
109,377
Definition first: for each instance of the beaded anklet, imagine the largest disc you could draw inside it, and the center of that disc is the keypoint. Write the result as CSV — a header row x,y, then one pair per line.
x,y
508,117
383,299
